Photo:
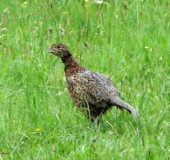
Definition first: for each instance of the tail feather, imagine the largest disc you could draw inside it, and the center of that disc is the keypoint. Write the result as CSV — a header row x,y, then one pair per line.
x,y
120,103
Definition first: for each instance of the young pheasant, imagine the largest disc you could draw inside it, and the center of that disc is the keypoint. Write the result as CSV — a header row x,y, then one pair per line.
x,y
93,93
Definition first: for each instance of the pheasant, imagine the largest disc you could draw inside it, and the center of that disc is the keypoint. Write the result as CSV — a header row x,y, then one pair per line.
x,y
92,93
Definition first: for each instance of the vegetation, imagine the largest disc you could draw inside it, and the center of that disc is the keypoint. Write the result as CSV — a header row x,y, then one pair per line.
x,y
127,40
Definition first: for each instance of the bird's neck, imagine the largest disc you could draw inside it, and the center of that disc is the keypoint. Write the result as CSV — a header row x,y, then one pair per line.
x,y
71,66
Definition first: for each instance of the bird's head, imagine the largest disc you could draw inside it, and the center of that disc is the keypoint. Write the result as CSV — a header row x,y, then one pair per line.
x,y
60,50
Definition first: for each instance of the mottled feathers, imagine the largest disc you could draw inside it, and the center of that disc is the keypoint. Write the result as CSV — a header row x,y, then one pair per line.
x,y
92,93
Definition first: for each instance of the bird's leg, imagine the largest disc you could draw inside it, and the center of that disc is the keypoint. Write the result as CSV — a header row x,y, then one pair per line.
x,y
95,119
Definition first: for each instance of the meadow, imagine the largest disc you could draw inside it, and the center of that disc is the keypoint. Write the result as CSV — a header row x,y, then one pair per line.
x,y
129,41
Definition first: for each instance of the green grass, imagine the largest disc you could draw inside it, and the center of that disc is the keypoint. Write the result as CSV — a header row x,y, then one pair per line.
x,y
127,40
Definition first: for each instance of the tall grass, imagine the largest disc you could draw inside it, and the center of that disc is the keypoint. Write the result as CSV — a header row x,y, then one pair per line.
x,y
127,40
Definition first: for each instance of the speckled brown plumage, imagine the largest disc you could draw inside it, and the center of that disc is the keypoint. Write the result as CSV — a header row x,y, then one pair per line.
x,y
93,93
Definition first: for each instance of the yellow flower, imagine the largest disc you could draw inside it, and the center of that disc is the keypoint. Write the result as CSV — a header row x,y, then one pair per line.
x,y
37,130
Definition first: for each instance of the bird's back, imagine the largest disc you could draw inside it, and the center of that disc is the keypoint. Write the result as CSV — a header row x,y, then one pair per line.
x,y
95,88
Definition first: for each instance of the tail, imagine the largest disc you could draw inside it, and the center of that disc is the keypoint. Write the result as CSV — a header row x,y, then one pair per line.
x,y
119,103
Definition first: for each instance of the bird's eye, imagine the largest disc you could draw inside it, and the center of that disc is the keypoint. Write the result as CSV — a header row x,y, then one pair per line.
x,y
56,47
59,47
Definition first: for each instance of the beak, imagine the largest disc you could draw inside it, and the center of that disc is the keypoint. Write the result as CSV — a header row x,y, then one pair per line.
x,y
50,50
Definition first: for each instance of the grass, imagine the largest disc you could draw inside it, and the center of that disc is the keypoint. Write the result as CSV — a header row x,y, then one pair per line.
x,y
127,40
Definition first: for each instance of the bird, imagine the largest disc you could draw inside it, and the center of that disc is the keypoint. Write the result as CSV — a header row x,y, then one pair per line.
x,y
91,92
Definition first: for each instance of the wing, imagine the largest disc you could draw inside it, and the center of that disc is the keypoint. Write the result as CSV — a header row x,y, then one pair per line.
x,y
92,86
